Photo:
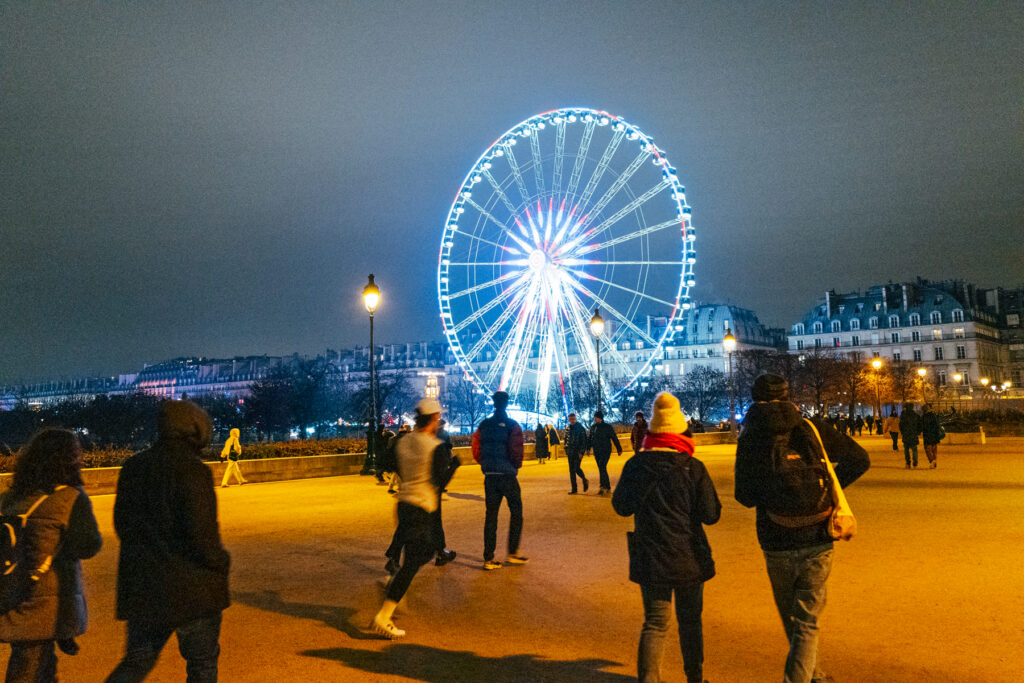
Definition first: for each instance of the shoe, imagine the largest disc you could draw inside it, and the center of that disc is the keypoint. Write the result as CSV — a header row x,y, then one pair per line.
x,y
572,493
491,564
517,559
908,467
933,465
586,485
387,629
223,486
444,557
392,566
603,492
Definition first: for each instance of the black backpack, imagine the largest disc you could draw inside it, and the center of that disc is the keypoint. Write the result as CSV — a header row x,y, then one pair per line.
x,y
800,487
15,578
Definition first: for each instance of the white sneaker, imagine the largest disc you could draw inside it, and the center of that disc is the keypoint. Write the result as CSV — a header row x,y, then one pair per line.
x,y
517,559
387,629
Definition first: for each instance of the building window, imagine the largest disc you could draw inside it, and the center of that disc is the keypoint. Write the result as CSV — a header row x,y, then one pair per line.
x,y
874,337
961,351
936,334
958,316
835,341
836,326
894,337
818,328
817,343
915,319
894,321
938,353
855,340
639,344
799,345
958,333
798,328
917,355
915,335
854,324
936,318
942,378
896,356
873,323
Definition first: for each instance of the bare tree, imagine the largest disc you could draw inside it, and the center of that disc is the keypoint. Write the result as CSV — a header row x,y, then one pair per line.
x,y
817,378
466,404
850,377
703,391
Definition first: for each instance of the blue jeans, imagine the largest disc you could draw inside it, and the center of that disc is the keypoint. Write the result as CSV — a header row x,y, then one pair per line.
x,y
657,615
799,580
197,642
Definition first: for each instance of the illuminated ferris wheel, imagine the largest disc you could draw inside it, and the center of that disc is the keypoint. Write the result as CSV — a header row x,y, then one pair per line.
x,y
568,211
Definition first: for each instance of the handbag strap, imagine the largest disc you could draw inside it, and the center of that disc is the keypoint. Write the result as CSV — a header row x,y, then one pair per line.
x,y
838,497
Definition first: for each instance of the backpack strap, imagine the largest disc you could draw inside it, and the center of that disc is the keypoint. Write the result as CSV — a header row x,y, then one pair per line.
x,y
28,513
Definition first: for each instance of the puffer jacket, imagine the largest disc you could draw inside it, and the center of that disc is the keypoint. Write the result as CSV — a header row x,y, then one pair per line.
x,y
764,421
671,497
910,427
62,527
498,445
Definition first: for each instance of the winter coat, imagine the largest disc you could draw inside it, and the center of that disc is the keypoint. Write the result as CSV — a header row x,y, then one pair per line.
x,y
637,434
671,497
931,429
62,527
498,445
602,436
763,422
173,568
575,439
540,443
910,427
552,436
891,424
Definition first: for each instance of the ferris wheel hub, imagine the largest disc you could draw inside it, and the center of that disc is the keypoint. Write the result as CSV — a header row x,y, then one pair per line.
x,y
538,259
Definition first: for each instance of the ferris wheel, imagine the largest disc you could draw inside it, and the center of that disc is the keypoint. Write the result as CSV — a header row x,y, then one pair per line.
x,y
569,211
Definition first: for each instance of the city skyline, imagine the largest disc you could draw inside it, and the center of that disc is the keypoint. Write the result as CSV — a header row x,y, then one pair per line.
x,y
218,182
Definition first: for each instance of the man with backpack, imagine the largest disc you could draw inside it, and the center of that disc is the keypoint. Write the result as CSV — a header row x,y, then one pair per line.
x,y
781,472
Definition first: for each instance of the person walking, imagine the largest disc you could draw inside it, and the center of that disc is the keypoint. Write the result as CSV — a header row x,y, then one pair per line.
x,y
43,600
910,431
498,447
575,447
424,463
931,433
858,423
671,497
602,437
797,545
172,574
540,443
232,449
639,431
892,426
552,436
870,421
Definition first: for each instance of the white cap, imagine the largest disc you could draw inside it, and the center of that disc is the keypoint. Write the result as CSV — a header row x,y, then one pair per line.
x,y
428,406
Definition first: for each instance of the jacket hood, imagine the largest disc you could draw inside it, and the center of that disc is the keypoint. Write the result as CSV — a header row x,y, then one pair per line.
x,y
770,418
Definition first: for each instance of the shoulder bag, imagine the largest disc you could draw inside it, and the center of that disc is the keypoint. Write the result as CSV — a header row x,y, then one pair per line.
x,y
842,525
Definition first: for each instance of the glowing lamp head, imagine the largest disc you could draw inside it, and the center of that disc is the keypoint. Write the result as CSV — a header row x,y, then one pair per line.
x,y
921,372
371,295
1007,384
597,324
729,342
984,381
876,364
958,378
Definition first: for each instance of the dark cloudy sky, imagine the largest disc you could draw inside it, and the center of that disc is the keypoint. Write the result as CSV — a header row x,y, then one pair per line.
x,y
218,178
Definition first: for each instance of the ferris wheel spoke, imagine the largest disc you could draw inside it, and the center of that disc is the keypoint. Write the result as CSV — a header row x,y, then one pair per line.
x,y
538,168
618,215
588,248
492,329
513,164
635,292
500,191
527,333
501,226
487,264
616,186
613,311
483,285
556,180
480,312
596,262
602,166
581,157
487,241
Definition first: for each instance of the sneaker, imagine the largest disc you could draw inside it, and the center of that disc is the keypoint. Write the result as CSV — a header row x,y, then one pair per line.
x,y
517,559
387,629
392,566
572,493
491,564
444,557
586,485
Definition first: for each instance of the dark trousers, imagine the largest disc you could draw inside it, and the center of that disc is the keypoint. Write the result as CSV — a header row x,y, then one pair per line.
x,y
602,468
32,661
496,488
416,537
895,440
657,615
574,468
197,642
394,551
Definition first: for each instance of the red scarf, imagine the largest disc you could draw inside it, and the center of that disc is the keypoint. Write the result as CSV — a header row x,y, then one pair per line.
x,y
677,442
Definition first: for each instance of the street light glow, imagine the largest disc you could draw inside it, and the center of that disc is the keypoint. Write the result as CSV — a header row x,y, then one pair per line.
x,y
371,295
597,324
921,372
877,364
729,342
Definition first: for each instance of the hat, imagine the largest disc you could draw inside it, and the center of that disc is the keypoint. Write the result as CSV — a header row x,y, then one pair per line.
x,y
769,387
667,418
428,406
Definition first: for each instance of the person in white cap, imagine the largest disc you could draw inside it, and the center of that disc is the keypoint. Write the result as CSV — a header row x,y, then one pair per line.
x,y
671,497
424,467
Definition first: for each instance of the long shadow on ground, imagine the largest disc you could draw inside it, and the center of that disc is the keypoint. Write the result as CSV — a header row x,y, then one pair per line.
x,y
336,617
465,496
434,665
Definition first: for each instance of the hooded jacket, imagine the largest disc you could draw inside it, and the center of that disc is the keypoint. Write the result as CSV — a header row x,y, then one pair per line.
x,y
764,421
671,497
498,445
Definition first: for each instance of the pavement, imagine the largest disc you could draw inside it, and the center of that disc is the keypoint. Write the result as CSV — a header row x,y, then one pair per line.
x,y
930,589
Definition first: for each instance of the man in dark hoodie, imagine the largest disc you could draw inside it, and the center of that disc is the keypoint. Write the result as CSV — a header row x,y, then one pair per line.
x,y
799,555
172,576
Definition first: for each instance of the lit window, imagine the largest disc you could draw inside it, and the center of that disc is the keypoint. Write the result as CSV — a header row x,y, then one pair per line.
x,y
936,334
958,333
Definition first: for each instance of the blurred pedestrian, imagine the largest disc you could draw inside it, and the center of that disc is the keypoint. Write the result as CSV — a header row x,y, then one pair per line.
x,y
870,420
172,575
552,436
383,465
892,426
858,424
602,437
575,447
498,447
232,449
43,600
639,431
931,433
671,497
910,431
540,443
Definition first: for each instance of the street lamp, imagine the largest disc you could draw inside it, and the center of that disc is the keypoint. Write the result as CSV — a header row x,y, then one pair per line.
x,y
957,377
922,373
597,329
371,297
729,344
877,365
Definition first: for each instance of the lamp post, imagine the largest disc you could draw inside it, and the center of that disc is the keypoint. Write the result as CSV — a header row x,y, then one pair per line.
x,y
984,383
371,296
729,344
922,373
957,377
877,365
597,329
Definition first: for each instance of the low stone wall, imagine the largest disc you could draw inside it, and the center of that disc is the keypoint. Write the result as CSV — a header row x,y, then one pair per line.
x,y
964,438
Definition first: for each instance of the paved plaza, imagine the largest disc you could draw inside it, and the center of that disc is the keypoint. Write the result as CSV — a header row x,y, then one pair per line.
x,y
930,590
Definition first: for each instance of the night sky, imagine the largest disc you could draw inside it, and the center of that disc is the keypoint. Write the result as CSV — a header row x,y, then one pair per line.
x,y
218,179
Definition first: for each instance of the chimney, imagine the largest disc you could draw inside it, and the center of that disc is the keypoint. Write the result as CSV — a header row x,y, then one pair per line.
x,y
828,303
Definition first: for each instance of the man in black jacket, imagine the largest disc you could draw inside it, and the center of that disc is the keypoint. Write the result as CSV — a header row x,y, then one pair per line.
x,y
798,556
602,436
172,574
